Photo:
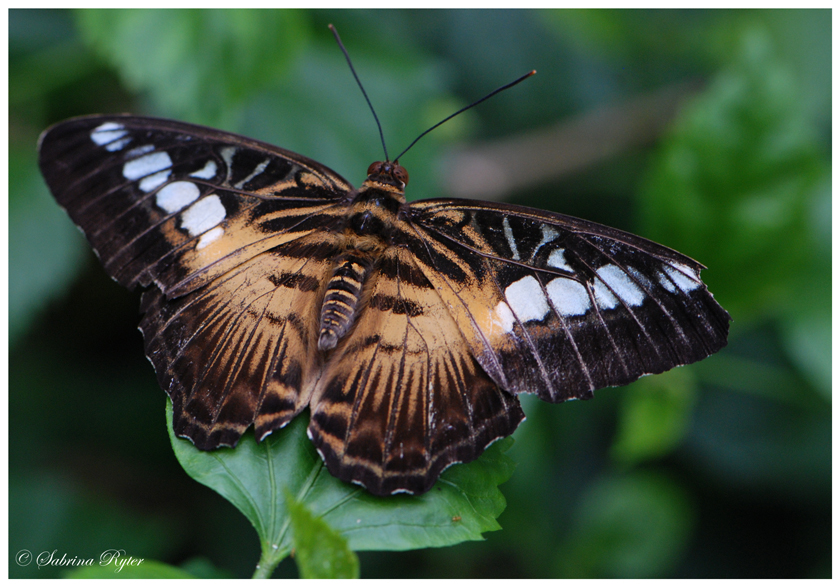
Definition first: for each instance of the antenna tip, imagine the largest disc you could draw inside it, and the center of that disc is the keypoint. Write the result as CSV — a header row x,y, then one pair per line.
x,y
533,71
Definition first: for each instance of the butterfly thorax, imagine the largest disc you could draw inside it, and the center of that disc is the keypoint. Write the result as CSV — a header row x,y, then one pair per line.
x,y
369,223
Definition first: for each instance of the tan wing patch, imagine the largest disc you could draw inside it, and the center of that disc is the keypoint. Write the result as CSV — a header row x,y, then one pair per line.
x,y
242,349
401,398
239,238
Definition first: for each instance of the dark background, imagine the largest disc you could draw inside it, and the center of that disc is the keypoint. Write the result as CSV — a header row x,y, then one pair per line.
x,y
709,131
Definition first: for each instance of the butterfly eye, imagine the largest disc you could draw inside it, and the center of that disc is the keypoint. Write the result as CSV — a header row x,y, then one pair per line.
x,y
375,167
400,173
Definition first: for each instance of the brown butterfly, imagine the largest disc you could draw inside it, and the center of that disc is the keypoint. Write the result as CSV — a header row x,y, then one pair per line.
x,y
408,329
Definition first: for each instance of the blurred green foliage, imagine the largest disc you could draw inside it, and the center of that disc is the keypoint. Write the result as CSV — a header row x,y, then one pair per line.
x,y
721,469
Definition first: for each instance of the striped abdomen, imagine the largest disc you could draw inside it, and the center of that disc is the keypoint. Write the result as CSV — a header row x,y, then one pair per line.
x,y
341,300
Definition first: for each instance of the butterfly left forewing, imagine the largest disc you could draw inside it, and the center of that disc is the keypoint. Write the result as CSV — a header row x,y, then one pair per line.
x,y
559,306
178,204
235,238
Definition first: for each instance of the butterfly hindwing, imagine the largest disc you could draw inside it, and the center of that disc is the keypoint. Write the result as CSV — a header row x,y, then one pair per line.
x,y
180,204
243,349
561,307
402,398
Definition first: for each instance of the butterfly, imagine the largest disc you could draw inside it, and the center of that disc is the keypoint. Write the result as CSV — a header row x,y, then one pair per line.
x,y
271,285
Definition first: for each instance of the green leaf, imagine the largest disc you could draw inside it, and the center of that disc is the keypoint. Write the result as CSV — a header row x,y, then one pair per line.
x,y
806,324
655,416
631,526
123,568
196,61
736,181
46,250
320,552
807,338
463,504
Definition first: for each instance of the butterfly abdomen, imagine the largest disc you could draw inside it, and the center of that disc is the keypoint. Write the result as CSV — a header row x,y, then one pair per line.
x,y
367,230
341,300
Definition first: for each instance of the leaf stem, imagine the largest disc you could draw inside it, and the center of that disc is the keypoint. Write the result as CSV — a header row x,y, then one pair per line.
x,y
269,559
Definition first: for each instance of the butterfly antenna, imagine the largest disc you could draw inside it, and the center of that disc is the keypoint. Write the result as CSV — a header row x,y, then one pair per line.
x,y
350,63
476,103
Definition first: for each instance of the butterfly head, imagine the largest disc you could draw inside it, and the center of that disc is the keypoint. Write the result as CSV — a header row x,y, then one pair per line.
x,y
388,172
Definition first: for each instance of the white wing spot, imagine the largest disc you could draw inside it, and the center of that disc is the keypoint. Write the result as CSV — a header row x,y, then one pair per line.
x,y
684,277
154,168
111,135
177,196
603,296
642,279
137,151
548,235
206,172
203,215
557,259
209,237
509,236
118,145
257,170
504,317
568,297
526,299
666,282
150,182
621,285
227,156
107,132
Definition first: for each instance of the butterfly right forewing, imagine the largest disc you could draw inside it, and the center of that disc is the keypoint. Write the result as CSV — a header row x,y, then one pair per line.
x,y
560,307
